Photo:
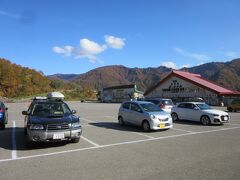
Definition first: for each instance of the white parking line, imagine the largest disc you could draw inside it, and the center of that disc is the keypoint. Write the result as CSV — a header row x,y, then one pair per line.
x,y
183,130
88,120
91,142
144,135
14,153
234,124
116,144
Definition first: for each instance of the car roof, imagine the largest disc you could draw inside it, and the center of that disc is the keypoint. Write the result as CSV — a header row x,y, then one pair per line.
x,y
138,102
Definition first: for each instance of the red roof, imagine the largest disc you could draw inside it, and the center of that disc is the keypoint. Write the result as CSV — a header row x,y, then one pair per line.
x,y
197,80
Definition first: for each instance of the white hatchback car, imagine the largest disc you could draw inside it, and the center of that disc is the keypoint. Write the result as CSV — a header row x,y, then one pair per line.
x,y
144,114
197,111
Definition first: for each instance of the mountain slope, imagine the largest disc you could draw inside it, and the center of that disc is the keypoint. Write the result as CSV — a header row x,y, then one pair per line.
x,y
20,81
225,74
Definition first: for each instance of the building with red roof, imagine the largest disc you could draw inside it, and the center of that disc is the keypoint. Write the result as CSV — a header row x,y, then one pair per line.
x,y
180,85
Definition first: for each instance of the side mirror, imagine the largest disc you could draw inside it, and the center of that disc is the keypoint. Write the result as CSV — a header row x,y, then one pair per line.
x,y
195,108
74,111
25,113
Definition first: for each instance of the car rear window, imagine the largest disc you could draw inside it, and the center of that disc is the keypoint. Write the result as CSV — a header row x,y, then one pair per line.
x,y
167,102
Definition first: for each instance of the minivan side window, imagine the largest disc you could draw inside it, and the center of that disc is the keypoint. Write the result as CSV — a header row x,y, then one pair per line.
x,y
126,105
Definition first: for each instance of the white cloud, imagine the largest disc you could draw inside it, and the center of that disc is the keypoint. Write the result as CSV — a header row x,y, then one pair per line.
x,y
185,66
114,42
90,49
196,56
169,64
66,50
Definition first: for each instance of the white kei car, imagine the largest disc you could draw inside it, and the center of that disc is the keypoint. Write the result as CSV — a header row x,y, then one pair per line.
x,y
197,111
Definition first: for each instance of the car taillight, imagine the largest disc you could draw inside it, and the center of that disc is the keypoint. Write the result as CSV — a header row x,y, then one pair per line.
x,y
2,110
162,106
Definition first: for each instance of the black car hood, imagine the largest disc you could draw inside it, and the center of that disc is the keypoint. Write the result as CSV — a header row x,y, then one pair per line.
x,y
53,120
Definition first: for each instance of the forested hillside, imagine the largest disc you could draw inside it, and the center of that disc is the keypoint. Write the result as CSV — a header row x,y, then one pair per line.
x,y
20,81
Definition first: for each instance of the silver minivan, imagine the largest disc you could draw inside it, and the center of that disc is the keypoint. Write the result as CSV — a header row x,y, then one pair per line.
x,y
144,114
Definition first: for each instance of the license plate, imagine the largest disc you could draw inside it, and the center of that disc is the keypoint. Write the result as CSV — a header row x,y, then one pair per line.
x,y
58,136
162,125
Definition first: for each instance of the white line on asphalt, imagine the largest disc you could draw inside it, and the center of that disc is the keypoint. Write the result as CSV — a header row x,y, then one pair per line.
x,y
91,142
234,124
116,144
14,153
183,130
144,135
88,120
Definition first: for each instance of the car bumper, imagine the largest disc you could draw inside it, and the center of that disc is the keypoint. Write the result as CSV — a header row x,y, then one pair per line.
x,y
45,136
220,119
156,125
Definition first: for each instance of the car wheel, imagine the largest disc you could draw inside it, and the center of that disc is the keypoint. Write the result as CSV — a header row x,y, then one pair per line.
x,y
2,126
146,126
75,140
230,109
205,120
25,131
120,121
174,117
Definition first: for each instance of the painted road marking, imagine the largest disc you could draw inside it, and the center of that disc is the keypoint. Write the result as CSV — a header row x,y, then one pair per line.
x,y
91,142
88,120
117,144
14,152
144,135
183,130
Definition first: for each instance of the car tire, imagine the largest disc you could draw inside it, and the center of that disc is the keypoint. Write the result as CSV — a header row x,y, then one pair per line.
x,y
230,109
121,121
205,120
25,131
174,116
146,126
75,140
2,126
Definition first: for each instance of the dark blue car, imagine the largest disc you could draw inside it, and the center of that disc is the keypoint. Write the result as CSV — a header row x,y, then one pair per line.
x,y
3,115
51,120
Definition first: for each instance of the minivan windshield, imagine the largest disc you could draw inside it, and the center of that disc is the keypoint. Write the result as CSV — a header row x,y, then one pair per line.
x,y
150,107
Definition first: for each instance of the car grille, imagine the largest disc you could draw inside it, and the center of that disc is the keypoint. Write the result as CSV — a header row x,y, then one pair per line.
x,y
63,126
163,119
222,118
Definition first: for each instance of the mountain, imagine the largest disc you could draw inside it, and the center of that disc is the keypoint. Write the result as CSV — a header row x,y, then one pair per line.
x,y
18,81
225,74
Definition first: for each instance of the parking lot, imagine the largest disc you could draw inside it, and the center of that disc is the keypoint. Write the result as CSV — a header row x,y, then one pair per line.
x,y
109,151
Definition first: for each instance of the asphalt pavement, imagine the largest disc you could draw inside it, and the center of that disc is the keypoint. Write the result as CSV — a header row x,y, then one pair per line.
x,y
109,151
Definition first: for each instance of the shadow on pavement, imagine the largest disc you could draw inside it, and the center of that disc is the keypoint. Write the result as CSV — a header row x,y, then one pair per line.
x,y
6,141
116,126
192,123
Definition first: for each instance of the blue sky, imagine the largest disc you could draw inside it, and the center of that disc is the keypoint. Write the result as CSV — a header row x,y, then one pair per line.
x,y
75,36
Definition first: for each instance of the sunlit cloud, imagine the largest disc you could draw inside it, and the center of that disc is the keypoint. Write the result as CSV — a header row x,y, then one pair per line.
x,y
114,42
172,65
90,49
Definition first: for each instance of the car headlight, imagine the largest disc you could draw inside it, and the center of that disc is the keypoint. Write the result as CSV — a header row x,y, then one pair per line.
x,y
76,125
152,117
215,114
36,127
